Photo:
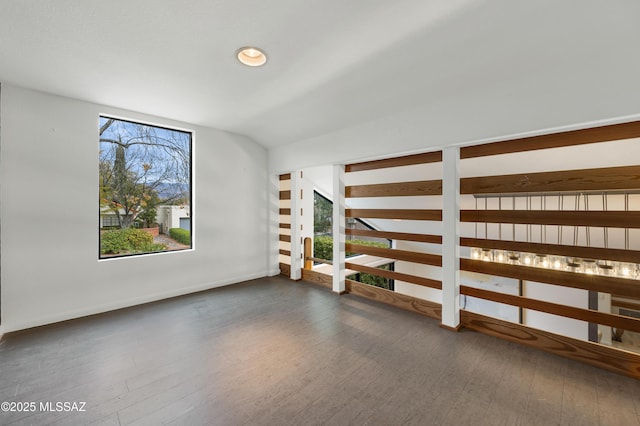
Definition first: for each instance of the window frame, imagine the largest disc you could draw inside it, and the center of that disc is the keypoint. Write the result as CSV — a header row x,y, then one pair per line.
x,y
191,146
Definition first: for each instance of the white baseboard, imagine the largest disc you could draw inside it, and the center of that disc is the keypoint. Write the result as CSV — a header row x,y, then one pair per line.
x,y
65,316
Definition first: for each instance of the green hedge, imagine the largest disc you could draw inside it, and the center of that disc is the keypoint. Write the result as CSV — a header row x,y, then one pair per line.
x,y
374,280
180,235
323,246
128,241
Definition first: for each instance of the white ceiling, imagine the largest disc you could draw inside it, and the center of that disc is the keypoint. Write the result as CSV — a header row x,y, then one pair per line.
x,y
332,63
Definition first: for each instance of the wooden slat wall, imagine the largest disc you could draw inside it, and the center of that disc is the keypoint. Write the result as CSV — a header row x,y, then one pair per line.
x,y
604,179
408,256
401,189
593,180
618,321
284,195
618,180
407,160
621,362
285,269
402,301
576,137
417,188
603,284
408,214
420,238
611,219
425,282
317,278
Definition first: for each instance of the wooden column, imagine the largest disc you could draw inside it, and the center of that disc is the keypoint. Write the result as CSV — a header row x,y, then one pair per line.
x,y
296,243
338,229
451,238
308,252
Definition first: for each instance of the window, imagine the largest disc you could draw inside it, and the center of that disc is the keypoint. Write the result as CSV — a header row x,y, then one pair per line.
x,y
145,188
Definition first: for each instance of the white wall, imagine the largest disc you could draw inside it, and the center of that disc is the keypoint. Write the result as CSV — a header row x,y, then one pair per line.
x,y
49,212
560,97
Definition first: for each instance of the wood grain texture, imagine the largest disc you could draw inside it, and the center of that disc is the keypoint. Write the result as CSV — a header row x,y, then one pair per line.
x,y
307,253
286,176
625,304
601,356
399,189
284,225
285,269
317,278
285,238
409,303
603,318
407,160
409,256
603,284
285,212
285,195
610,219
414,214
284,252
425,282
555,140
557,249
421,238
603,179
449,328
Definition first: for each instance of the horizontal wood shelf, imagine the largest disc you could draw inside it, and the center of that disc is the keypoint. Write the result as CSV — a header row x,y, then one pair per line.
x,y
420,238
286,176
588,315
402,301
285,195
284,225
555,140
399,189
284,252
407,160
317,278
434,215
604,179
603,284
610,219
285,238
408,256
285,212
625,304
425,282
598,253
285,269
608,358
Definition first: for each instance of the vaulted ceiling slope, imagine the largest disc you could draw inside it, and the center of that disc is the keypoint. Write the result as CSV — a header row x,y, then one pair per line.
x,y
332,63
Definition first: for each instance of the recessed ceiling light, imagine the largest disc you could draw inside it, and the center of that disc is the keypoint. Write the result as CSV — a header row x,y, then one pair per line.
x,y
251,56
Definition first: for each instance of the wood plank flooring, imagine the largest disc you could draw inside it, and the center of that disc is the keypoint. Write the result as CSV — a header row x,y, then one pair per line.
x,y
276,352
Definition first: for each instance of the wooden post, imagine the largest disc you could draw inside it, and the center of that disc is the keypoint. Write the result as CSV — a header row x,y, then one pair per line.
x,y
308,253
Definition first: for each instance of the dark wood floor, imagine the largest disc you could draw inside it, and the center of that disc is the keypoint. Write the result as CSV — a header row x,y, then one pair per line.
x,y
274,352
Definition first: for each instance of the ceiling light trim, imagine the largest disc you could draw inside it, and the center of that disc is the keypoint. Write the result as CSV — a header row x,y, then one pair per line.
x,y
251,56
